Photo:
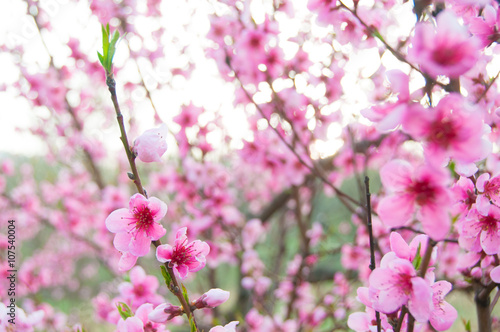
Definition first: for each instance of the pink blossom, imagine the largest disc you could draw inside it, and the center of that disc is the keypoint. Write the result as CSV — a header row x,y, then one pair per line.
x,y
140,322
141,288
488,190
445,50
188,116
452,129
183,257
152,144
211,299
23,322
138,225
409,252
389,115
423,187
395,284
486,28
464,196
444,314
478,232
230,327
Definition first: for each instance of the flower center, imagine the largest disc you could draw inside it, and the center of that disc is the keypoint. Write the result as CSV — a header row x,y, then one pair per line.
x,y
182,253
423,191
489,223
142,219
404,283
444,132
139,291
447,56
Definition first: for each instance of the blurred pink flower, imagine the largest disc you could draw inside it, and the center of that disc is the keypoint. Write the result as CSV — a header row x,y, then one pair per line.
x,y
138,225
486,28
495,274
452,129
151,145
140,322
231,327
141,288
447,49
183,257
478,232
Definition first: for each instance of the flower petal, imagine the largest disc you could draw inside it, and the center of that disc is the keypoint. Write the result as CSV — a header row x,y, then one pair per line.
x,y
118,221
164,253
420,304
127,261
140,245
122,241
396,210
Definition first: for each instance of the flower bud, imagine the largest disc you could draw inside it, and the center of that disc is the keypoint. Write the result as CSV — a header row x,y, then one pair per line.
x,y
151,145
212,298
164,312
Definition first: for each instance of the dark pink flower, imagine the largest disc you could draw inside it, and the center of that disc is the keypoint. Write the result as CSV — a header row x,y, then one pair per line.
x,y
451,129
422,189
488,190
138,225
447,49
151,145
395,284
183,257
478,232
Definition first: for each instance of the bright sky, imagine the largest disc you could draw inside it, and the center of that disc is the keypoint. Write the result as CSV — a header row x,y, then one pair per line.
x,y
205,88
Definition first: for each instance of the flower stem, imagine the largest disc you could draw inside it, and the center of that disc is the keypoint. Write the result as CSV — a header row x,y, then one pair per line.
x,y
177,289
372,240
110,82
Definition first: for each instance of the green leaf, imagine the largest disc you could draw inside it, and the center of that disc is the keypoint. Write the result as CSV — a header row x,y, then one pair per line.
x,y
467,326
418,258
185,293
124,310
108,47
166,276
192,324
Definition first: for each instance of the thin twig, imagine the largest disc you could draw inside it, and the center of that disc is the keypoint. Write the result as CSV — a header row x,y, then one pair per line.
x,y
177,287
343,197
110,82
372,240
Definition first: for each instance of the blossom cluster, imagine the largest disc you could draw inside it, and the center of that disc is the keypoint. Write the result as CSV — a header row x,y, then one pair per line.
x,y
273,112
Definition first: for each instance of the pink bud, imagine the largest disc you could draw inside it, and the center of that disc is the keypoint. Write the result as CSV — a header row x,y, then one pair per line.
x,y
212,298
164,312
476,273
151,145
